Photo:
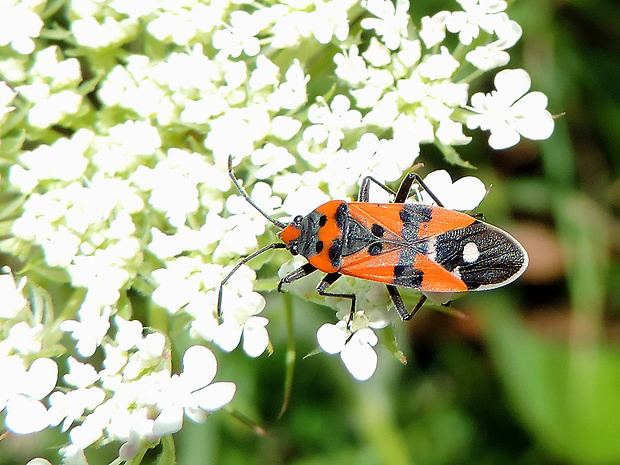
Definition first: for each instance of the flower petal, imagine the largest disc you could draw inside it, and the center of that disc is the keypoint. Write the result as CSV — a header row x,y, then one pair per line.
x,y
255,336
215,396
199,367
331,338
170,420
511,84
359,357
26,415
41,378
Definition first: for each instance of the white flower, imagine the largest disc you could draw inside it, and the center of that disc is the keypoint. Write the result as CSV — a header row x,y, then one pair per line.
x,y
510,112
39,461
21,392
67,407
49,108
178,283
285,127
350,66
13,300
23,339
104,272
478,14
177,26
291,93
18,25
329,122
433,29
438,66
450,132
90,330
464,194
329,20
289,27
90,33
486,57
191,392
6,96
271,159
355,347
493,55
60,73
391,22
241,36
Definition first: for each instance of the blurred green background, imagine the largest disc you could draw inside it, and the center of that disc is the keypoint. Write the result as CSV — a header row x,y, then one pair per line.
x,y
532,374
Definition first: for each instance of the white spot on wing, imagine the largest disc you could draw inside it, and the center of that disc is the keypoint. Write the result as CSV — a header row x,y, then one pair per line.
x,y
470,252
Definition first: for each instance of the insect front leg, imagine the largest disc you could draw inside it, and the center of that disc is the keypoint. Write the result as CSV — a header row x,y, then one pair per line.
x,y
299,273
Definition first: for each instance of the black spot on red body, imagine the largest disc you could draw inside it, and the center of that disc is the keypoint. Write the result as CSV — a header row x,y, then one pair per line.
x,y
413,216
408,276
375,249
342,214
319,246
335,253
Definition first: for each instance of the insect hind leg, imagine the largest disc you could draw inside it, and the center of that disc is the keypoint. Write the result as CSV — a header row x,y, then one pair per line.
x,y
403,190
398,302
364,194
405,187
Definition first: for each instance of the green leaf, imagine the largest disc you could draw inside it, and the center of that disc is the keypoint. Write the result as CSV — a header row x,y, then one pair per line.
x,y
452,156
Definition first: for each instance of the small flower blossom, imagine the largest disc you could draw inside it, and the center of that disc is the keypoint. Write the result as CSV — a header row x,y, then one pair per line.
x,y
90,330
19,25
465,194
355,347
191,392
6,97
477,14
509,112
391,22
330,122
13,300
22,390
240,37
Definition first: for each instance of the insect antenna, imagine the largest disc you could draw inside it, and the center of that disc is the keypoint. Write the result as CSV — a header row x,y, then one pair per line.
x,y
272,220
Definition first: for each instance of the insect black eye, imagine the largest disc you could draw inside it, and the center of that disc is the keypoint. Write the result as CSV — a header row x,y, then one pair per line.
x,y
297,219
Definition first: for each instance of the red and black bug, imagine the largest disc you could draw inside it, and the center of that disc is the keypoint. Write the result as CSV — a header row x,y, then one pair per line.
x,y
412,245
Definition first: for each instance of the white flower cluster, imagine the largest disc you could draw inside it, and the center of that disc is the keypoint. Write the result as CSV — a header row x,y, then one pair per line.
x,y
119,182
133,399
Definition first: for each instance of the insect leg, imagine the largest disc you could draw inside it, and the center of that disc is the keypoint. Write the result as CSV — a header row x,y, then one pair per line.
x,y
364,195
418,306
275,245
405,187
299,273
327,281
398,302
